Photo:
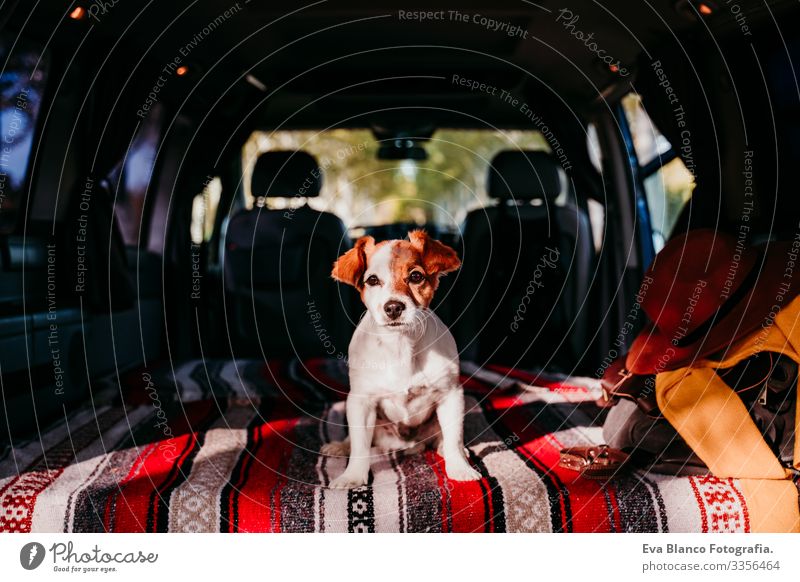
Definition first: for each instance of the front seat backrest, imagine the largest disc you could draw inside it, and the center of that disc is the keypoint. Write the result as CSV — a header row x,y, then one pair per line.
x,y
525,268
278,262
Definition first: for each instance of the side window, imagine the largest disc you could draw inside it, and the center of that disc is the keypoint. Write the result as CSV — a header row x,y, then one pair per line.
x,y
597,212
22,83
137,174
667,183
204,211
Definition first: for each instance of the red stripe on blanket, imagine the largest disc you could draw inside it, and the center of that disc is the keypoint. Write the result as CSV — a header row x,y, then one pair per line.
x,y
502,401
154,470
18,498
700,505
472,384
742,503
465,501
533,379
721,505
616,516
262,477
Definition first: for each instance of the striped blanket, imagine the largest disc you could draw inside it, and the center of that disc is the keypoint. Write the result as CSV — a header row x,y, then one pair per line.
x,y
233,445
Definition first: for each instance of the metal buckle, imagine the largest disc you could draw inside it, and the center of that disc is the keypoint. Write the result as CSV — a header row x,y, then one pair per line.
x,y
762,395
614,392
624,374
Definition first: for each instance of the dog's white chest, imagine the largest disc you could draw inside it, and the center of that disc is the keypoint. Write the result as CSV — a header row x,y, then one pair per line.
x,y
403,371
411,408
381,363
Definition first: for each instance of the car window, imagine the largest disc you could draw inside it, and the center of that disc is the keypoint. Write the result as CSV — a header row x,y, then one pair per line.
x,y
597,212
667,183
204,211
366,191
22,83
593,147
137,174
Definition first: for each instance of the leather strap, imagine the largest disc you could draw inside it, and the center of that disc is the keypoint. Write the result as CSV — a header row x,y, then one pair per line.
x,y
748,378
617,382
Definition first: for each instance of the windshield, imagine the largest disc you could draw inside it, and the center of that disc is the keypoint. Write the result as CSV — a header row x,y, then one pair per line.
x,y
365,191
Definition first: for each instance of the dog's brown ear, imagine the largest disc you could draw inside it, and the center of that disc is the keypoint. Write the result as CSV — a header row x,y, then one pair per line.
x,y
437,258
350,267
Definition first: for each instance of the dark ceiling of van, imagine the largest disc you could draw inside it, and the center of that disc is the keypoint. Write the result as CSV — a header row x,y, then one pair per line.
x,y
326,62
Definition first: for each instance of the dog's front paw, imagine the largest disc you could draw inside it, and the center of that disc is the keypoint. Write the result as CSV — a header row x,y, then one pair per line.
x,y
461,471
440,450
336,449
349,481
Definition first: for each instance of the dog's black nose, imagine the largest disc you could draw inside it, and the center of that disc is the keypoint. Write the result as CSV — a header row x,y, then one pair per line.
x,y
393,309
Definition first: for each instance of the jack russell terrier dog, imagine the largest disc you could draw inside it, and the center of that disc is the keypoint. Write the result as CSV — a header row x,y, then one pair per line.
x,y
403,362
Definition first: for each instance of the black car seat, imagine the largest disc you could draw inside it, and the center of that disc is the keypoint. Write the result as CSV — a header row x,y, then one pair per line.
x,y
278,262
526,268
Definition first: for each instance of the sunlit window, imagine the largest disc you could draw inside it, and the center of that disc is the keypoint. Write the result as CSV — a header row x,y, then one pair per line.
x,y
364,190
137,174
204,211
668,186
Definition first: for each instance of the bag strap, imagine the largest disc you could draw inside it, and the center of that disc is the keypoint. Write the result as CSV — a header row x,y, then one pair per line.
x,y
763,377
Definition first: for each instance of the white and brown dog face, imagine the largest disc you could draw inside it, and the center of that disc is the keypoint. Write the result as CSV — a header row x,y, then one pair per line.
x,y
396,278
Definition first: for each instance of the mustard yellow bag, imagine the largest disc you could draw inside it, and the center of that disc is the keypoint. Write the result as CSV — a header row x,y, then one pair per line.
x,y
715,423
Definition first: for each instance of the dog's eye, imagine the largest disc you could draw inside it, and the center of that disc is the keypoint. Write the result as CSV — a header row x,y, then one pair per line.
x,y
372,280
416,277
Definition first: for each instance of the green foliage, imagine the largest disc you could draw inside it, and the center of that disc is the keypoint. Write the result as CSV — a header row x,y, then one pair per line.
x,y
364,190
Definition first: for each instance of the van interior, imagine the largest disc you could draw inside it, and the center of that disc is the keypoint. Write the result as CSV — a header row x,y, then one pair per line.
x,y
177,179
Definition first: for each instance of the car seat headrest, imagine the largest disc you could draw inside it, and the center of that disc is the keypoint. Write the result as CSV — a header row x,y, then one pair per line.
x,y
283,174
524,175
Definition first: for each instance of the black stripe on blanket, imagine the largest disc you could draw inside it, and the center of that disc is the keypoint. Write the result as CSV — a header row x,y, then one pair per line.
x,y
636,497
360,510
493,502
297,496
